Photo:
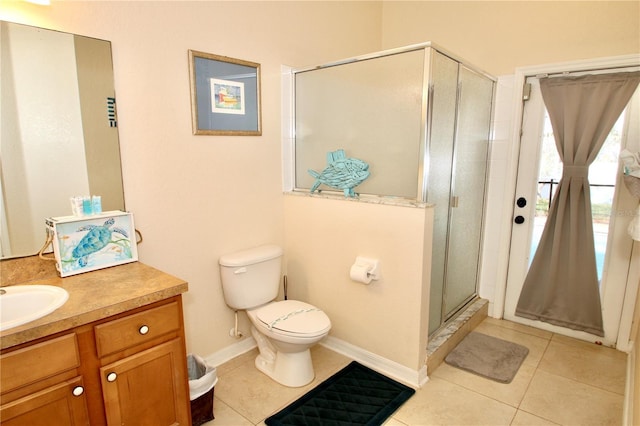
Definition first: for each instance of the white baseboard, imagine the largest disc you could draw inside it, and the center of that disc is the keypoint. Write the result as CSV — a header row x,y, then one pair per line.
x,y
243,346
413,378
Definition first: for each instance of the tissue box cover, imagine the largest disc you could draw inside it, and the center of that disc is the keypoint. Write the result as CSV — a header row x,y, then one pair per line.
x,y
87,243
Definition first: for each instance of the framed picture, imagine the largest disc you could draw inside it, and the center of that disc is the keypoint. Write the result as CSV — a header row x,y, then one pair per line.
x,y
83,244
225,95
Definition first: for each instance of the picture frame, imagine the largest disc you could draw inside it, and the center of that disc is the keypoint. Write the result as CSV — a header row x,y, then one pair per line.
x,y
87,243
225,95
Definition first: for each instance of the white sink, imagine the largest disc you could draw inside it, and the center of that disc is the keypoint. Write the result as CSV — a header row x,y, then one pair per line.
x,y
20,304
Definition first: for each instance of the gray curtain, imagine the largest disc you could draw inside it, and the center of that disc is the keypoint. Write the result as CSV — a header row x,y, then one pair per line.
x,y
562,286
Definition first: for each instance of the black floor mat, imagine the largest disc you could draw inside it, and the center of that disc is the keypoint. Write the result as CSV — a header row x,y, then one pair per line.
x,y
356,395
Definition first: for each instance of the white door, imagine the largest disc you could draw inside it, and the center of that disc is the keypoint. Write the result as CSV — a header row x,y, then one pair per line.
x,y
613,246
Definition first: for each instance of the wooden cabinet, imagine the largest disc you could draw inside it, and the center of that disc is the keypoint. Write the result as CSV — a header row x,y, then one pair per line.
x,y
61,404
129,369
137,329
40,385
144,387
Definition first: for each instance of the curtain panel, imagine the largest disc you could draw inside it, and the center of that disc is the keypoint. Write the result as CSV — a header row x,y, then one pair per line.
x,y
562,286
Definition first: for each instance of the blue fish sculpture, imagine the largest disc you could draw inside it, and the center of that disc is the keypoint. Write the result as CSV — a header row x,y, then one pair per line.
x,y
341,173
95,240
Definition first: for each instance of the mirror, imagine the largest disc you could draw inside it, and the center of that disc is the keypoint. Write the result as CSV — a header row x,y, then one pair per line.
x,y
58,131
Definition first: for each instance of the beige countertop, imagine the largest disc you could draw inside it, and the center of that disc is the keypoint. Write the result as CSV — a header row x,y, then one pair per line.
x,y
97,295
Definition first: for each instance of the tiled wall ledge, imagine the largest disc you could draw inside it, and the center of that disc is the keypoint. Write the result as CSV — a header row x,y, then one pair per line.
x,y
448,338
371,199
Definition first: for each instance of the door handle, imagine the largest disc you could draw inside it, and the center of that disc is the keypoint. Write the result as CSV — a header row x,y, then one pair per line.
x,y
521,202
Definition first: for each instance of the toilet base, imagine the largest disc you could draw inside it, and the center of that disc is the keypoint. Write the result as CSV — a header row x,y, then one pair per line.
x,y
292,369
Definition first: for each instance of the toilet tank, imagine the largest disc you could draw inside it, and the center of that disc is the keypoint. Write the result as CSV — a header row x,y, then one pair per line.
x,y
251,277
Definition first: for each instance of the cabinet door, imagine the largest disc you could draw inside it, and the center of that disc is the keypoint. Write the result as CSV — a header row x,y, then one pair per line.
x,y
62,404
147,388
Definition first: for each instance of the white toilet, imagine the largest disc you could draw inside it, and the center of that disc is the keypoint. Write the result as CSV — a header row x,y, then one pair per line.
x,y
284,330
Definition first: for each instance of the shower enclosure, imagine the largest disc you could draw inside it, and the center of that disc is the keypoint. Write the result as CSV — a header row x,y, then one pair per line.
x,y
420,117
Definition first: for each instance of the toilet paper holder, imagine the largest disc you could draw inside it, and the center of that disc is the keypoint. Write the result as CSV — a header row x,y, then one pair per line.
x,y
372,266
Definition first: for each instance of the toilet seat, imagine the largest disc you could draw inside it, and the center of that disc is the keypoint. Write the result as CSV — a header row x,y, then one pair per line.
x,y
293,318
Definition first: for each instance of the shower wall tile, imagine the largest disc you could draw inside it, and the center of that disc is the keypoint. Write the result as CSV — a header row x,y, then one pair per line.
x,y
497,190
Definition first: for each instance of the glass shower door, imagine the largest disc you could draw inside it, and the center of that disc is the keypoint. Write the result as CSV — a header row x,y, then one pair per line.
x,y
441,126
459,126
469,176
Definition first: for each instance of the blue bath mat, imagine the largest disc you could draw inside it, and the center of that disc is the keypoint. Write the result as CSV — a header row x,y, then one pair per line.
x,y
355,395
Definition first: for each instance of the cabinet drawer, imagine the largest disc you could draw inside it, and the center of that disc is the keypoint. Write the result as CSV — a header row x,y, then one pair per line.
x,y
56,405
132,330
38,362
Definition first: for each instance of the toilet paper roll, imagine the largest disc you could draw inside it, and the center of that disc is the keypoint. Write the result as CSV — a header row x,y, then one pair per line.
x,y
360,273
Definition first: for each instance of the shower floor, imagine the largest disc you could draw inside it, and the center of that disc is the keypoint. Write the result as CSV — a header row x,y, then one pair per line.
x,y
445,340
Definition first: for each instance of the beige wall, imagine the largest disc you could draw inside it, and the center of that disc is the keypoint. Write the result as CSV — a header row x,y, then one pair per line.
x,y
499,36
387,317
197,197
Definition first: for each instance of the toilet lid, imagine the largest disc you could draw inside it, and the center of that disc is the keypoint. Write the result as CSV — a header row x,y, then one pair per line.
x,y
293,316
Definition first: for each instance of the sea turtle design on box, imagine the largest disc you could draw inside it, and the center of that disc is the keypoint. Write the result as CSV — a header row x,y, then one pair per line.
x,y
95,240
341,173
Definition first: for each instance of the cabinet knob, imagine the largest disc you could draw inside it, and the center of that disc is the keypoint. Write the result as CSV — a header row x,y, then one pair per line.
x,y
143,330
111,377
78,390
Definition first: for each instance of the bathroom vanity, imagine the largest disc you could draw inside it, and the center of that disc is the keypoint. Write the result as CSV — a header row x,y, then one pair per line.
x,y
114,353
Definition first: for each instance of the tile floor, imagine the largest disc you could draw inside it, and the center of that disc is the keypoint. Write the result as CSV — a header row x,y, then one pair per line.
x,y
561,382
